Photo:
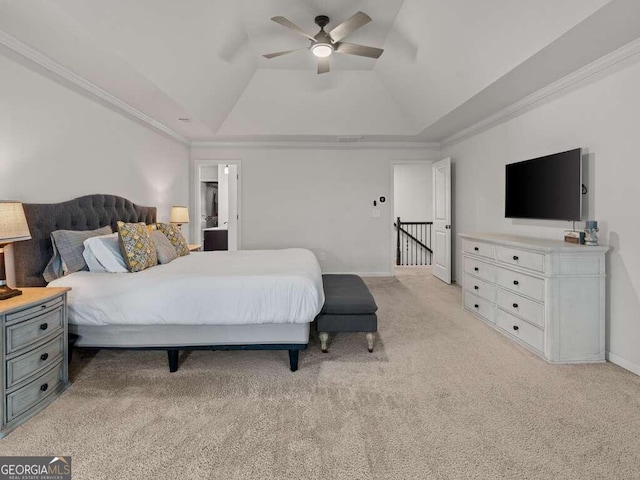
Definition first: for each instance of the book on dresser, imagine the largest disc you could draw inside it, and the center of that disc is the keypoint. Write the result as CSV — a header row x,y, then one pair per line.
x,y
547,295
34,353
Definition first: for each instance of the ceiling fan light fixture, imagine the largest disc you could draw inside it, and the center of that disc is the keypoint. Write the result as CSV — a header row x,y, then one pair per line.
x,y
322,50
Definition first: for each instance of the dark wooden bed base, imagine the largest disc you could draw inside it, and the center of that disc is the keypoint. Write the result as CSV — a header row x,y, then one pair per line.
x,y
88,213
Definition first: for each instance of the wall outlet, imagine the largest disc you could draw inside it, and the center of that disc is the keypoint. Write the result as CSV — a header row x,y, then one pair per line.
x,y
322,256
375,213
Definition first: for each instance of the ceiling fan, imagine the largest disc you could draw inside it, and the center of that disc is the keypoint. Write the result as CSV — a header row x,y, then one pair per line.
x,y
324,44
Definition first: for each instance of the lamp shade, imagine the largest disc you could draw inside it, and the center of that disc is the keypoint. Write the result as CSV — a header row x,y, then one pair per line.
x,y
13,223
179,214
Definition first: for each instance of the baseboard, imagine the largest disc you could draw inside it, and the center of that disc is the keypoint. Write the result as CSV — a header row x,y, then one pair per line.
x,y
363,274
621,362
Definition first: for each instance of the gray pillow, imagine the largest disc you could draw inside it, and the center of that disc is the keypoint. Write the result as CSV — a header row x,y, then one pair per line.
x,y
67,252
166,251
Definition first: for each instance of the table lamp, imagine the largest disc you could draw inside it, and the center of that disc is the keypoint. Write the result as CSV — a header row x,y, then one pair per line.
x,y
179,215
13,228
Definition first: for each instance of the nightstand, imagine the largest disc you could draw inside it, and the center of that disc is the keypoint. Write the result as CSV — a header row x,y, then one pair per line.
x,y
34,353
195,248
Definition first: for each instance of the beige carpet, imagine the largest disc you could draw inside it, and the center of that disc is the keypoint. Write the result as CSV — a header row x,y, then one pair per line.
x,y
442,397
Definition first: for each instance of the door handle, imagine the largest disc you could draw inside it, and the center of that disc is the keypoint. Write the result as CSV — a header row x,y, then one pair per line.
x,y
448,227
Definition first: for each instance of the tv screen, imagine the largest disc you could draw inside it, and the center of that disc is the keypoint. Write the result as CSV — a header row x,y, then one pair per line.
x,y
548,188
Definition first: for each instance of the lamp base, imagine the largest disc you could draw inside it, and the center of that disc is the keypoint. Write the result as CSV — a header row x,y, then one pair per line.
x,y
6,292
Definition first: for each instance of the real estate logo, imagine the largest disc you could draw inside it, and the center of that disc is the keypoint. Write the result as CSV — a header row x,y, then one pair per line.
x,y
35,468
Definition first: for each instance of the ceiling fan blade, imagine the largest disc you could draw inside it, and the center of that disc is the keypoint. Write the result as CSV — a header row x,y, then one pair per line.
x,y
279,54
350,25
323,65
292,26
361,50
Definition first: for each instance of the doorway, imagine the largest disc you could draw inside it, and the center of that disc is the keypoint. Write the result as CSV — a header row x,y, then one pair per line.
x,y
412,226
216,187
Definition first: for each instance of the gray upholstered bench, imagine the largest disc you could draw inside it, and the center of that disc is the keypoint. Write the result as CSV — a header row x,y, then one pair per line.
x,y
348,307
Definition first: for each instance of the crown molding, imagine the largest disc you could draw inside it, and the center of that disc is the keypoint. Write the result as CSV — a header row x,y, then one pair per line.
x,y
318,145
63,72
548,93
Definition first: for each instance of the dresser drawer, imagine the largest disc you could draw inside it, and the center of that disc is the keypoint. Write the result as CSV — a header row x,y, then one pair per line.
x,y
31,363
31,394
524,308
478,248
479,287
24,333
532,336
520,283
42,308
480,269
482,307
521,258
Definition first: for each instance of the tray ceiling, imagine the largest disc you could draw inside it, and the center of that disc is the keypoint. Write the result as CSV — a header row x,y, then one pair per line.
x,y
201,59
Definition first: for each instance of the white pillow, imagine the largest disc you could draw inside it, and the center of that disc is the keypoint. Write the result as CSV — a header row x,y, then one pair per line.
x,y
106,250
92,262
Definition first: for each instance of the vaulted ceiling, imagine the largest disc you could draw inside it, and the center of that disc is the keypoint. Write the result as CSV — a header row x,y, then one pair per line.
x,y
447,63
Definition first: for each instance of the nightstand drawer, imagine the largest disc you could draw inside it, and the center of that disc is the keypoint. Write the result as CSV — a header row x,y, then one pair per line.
x,y
45,307
25,333
33,393
31,363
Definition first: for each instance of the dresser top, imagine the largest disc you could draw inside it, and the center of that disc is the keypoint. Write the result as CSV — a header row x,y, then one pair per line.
x,y
536,243
30,297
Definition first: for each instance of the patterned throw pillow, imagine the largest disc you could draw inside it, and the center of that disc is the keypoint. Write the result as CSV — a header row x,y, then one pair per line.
x,y
138,249
173,233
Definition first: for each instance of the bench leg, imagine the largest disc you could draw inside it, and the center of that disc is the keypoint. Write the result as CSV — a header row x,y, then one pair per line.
x,y
324,340
371,337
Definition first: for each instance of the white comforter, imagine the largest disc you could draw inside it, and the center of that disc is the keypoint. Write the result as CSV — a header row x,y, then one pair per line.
x,y
204,288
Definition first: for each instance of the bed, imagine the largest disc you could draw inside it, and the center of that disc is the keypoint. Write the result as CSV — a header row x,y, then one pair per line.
x,y
207,300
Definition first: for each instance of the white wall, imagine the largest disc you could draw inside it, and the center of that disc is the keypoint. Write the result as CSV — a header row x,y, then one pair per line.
x,y
321,199
602,117
413,192
56,144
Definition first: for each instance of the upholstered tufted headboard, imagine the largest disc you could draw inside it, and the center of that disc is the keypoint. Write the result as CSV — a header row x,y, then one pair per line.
x,y
84,213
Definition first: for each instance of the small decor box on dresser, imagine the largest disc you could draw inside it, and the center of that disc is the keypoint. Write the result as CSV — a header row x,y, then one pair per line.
x,y
547,295
34,353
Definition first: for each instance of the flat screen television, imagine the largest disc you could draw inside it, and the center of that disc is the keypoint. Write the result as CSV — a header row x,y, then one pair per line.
x,y
546,188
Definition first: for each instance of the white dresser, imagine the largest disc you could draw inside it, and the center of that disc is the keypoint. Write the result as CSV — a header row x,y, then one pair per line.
x,y
547,295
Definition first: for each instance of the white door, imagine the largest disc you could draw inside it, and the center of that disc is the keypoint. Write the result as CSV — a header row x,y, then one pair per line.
x,y
442,220
233,207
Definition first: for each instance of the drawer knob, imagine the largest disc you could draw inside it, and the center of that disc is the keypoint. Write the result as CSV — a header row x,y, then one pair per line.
x,y
44,387
44,356
515,258
516,328
476,306
515,305
476,249
476,269
516,282
476,287
44,326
